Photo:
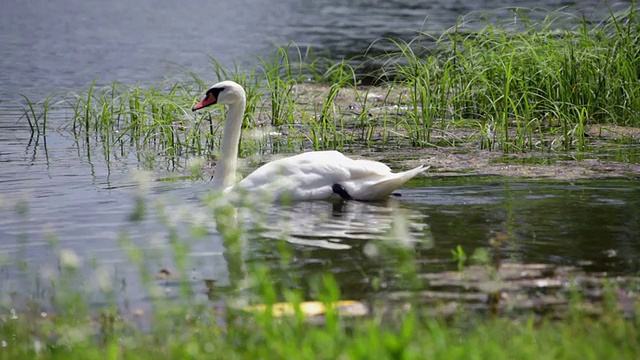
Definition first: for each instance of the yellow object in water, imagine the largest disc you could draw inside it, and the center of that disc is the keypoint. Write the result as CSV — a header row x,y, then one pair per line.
x,y
312,308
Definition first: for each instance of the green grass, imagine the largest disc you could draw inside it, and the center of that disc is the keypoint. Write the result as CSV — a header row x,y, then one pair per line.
x,y
189,329
188,334
522,86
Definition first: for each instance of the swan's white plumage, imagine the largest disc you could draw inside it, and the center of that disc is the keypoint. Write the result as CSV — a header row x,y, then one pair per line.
x,y
307,176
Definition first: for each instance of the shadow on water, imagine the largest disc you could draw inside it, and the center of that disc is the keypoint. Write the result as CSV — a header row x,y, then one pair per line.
x,y
563,222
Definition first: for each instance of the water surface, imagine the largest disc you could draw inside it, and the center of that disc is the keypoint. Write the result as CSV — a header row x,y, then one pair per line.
x,y
48,46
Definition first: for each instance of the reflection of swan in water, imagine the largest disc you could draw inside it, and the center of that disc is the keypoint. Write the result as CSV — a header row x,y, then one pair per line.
x,y
334,231
340,225
342,231
262,226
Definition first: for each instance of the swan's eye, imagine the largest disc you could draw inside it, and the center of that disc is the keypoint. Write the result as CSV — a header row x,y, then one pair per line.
x,y
215,91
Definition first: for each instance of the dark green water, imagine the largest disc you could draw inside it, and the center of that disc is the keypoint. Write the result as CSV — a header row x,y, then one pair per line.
x,y
593,225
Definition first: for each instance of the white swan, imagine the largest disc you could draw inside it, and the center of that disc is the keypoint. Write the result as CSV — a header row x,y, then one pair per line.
x,y
314,175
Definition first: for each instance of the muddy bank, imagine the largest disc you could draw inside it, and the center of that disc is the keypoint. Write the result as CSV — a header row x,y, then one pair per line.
x,y
456,161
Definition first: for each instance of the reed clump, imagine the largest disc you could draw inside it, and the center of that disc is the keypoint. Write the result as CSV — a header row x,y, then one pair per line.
x,y
524,84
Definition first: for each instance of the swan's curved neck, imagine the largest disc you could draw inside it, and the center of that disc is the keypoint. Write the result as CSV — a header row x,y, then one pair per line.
x,y
225,174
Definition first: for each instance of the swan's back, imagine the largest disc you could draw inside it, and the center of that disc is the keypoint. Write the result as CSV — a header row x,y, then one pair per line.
x,y
311,175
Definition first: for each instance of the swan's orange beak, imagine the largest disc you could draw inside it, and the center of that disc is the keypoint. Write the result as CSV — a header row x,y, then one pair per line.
x,y
209,99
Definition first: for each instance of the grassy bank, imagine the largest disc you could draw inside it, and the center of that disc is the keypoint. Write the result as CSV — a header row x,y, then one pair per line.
x,y
262,337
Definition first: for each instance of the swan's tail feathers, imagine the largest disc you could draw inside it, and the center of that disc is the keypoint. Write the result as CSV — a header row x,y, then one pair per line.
x,y
383,187
421,168
407,175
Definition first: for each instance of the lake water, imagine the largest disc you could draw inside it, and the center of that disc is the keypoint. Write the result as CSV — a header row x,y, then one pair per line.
x,y
48,46
60,193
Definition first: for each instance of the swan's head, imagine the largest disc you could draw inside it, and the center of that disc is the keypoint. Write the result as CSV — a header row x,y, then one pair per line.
x,y
225,92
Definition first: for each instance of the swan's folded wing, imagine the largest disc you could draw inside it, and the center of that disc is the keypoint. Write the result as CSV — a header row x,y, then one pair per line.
x,y
311,176
304,176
